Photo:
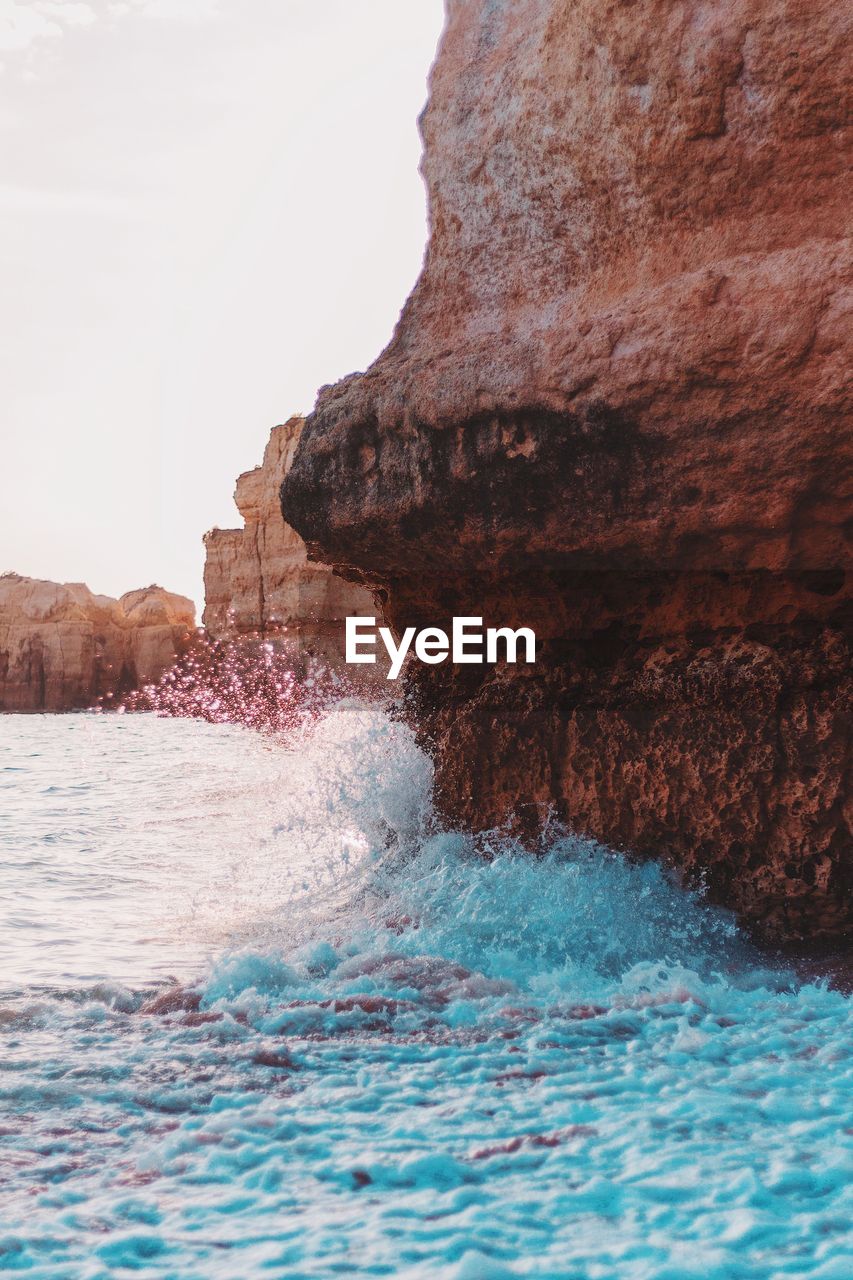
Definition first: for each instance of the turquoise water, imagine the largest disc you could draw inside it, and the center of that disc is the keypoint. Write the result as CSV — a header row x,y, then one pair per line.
x,y
378,1053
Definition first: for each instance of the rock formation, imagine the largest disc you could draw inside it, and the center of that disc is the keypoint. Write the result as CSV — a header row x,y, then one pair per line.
x,y
62,647
258,579
617,408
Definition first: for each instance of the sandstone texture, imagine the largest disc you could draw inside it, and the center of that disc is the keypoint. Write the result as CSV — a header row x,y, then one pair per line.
x,y
63,648
617,407
258,580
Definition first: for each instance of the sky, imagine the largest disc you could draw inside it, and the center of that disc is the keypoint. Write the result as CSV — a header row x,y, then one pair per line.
x,y
208,209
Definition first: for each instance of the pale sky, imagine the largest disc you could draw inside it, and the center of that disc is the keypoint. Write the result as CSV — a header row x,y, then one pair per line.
x,y
208,209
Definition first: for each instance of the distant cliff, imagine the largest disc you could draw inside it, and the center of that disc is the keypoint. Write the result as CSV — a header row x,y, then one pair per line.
x,y
617,408
258,580
62,647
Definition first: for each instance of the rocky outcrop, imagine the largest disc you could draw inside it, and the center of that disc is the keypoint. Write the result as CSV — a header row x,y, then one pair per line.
x,y
258,580
62,647
617,408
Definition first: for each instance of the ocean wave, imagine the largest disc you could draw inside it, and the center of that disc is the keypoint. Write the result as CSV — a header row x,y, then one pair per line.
x,y
417,1053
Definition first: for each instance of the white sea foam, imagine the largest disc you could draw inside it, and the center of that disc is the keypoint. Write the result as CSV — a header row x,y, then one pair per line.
x,y
392,1055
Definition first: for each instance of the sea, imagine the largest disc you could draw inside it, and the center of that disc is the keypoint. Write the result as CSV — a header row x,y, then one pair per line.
x,y
262,1015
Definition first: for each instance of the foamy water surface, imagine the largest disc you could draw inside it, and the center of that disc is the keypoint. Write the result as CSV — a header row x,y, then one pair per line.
x,y
379,1052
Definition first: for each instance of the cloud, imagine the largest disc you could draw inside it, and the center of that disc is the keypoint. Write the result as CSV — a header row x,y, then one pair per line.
x,y
69,12
180,10
24,23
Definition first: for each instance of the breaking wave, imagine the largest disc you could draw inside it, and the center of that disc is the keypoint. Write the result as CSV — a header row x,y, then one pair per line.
x,y
379,1047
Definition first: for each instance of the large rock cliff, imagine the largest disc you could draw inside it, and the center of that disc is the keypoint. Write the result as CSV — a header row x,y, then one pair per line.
x,y
62,647
258,580
617,408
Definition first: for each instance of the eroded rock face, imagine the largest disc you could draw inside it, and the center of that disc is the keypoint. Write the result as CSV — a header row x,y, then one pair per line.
x,y
617,407
62,647
258,580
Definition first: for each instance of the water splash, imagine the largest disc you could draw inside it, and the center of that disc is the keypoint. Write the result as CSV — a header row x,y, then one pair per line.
x,y
414,1060
266,685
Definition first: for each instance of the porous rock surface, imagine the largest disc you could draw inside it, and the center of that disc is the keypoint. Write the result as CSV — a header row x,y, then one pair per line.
x,y
617,408
63,648
258,580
